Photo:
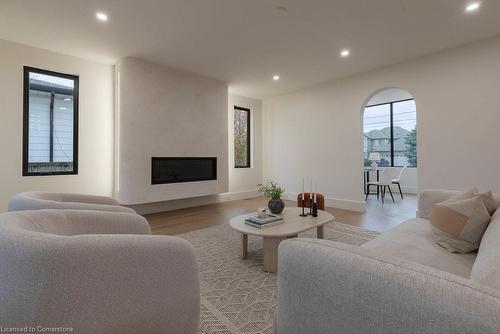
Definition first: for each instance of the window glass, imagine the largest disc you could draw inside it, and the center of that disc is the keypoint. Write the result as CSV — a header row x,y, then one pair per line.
x,y
405,133
377,133
390,130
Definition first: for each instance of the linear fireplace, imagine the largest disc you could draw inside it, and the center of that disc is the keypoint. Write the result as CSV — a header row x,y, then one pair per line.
x,y
182,169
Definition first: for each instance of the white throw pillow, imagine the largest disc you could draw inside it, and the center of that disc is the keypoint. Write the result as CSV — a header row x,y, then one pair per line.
x,y
489,201
461,224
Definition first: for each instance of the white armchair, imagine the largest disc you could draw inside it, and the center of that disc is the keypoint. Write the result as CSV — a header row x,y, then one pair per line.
x,y
78,269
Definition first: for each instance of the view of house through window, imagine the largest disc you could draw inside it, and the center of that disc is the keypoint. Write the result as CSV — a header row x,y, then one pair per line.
x,y
241,137
50,123
390,129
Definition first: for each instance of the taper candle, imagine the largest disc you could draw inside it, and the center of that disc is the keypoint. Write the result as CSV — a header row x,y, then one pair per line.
x,y
303,189
315,190
311,188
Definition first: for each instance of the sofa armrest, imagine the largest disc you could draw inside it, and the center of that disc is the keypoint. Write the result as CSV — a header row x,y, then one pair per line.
x,y
90,199
102,284
89,206
328,287
76,222
64,201
427,199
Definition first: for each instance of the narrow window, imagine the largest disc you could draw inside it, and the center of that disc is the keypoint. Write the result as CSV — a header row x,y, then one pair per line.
x,y
241,137
50,129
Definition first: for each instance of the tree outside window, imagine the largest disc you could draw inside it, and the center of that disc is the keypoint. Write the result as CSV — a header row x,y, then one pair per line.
x,y
241,137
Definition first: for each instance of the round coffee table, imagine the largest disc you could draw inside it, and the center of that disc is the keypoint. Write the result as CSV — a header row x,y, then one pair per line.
x,y
292,225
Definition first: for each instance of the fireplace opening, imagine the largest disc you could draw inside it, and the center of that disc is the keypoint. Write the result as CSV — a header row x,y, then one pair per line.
x,y
182,169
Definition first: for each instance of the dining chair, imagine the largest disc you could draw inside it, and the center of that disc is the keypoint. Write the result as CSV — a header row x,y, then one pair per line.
x,y
320,199
398,179
384,183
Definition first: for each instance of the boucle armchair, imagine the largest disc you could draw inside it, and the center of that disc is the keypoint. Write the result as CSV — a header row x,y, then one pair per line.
x,y
96,272
37,200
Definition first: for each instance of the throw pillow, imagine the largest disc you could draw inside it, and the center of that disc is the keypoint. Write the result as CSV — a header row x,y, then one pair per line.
x,y
461,224
489,201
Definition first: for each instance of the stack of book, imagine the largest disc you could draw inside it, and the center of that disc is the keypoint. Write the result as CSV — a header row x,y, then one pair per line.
x,y
268,221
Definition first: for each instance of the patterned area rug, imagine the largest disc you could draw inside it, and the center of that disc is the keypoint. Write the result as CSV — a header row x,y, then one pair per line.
x,y
237,297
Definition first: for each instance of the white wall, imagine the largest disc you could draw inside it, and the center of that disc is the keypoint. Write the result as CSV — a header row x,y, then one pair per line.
x,y
389,95
95,163
168,113
246,179
318,130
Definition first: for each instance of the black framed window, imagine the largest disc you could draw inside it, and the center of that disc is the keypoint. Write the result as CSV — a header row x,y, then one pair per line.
x,y
390,129
241,137
50,125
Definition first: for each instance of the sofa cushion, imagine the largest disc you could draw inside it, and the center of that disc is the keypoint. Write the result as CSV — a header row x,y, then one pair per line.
x,y
461,224
415,240
469,193
486,269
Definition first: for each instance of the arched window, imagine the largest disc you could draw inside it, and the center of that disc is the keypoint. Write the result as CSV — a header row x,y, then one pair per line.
x,y
390,129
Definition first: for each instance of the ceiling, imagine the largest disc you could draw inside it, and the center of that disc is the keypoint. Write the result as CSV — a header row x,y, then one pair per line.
x,y
245,42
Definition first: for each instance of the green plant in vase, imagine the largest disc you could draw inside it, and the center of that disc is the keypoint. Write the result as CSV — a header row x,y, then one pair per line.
x,y
274,192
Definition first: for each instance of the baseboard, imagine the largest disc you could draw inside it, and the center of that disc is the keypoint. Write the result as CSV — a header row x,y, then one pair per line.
x,y
149,208
358,206
409,190
234,196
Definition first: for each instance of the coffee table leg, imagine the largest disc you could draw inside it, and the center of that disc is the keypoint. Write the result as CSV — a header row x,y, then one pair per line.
x,y
271,253
321,232
244,246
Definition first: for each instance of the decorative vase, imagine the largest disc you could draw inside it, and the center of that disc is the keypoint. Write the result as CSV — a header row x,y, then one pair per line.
x,y
276,205
315,209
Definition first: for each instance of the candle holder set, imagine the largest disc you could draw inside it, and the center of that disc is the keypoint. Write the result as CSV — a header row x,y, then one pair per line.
x,y
313,204
313,208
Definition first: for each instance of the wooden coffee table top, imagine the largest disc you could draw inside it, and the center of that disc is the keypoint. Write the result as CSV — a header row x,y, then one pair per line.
x,y
293,223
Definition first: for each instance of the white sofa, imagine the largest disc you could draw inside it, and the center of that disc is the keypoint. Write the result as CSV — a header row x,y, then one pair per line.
x,y
36,200
96,272
399,282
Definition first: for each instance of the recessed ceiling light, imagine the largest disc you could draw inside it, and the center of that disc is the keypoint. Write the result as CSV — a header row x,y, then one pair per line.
x,y
101,16
472,7
345,53
276,77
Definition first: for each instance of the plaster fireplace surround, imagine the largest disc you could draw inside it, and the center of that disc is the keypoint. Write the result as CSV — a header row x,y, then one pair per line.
x,y
167,113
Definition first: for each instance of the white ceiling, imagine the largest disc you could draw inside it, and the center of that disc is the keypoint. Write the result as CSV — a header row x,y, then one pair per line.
x,y
245,42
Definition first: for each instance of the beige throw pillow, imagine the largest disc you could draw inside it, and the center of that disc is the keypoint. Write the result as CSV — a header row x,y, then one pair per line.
x,y
461,224
489,201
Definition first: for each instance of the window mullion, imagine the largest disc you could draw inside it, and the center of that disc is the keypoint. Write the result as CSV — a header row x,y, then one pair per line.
x,y
51,127
392,134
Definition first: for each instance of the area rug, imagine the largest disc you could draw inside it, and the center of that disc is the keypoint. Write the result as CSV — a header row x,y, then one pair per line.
x,y
237,297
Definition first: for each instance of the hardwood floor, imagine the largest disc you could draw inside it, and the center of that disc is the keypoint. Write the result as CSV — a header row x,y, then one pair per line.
x,y
378,217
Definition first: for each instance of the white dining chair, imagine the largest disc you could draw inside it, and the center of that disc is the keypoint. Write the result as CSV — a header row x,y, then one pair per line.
x,y
398,180
388,174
